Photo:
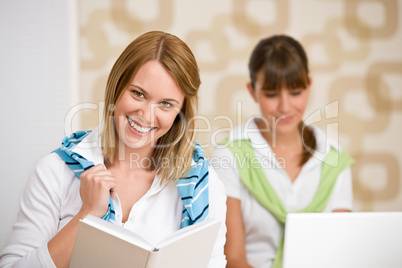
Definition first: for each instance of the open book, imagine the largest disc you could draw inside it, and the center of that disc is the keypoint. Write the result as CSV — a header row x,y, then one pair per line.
x,y
103,244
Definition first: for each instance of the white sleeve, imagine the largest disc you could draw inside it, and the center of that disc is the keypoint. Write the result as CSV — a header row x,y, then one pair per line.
x,y
38,218
342,195
217,210
224,163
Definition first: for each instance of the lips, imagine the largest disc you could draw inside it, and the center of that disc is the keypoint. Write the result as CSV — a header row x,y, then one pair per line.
x,y
284,118
138,127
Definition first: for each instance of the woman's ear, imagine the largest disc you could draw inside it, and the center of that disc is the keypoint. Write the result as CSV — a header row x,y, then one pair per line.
x,y
251,91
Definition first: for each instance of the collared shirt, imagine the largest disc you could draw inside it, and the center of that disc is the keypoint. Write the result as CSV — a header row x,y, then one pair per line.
x,y
263,231
51,199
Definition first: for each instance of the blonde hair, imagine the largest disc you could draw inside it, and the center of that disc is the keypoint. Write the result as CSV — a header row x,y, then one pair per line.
x,y
172,154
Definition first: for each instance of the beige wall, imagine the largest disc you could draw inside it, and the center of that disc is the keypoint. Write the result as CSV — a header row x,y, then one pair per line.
x,y
355,51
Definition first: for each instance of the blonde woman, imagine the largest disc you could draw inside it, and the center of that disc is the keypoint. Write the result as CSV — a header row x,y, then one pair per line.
x,y
129,166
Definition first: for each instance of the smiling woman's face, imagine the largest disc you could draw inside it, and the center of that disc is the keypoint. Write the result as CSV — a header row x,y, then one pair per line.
x,y
148,107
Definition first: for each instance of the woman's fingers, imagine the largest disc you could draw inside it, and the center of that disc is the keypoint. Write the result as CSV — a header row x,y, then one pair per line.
x,y
97,184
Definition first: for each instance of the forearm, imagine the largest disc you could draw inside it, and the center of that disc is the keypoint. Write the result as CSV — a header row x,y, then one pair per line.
x,y
341,210
95,187
61,246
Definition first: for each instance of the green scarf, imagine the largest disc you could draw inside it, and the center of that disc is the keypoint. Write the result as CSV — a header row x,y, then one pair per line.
x,y
257,183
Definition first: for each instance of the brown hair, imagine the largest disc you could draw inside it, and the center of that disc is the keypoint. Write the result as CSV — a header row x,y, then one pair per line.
x,y
285,65
172,155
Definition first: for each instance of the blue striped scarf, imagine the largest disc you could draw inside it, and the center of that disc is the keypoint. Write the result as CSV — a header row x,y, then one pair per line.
x,y
193,188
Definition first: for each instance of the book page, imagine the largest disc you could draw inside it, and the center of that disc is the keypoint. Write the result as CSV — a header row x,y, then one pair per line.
x,y
96,248
179,234
189,249
118,231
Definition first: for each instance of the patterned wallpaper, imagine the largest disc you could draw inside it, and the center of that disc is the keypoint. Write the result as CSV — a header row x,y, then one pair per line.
x,y
355,52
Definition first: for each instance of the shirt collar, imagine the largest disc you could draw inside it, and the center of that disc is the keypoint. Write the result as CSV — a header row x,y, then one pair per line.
x,y
90,147
249,131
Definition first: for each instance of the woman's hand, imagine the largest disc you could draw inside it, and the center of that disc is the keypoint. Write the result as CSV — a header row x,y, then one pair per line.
x,y
97,184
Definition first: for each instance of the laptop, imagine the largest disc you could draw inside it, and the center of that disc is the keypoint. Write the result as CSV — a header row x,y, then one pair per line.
x,y
343,240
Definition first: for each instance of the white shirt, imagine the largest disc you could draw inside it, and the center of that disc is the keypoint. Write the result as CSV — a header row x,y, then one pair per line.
x,y
263,231
51,199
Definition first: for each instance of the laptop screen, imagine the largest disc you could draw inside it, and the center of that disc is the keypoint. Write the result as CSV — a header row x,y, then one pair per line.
x,y
346,240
